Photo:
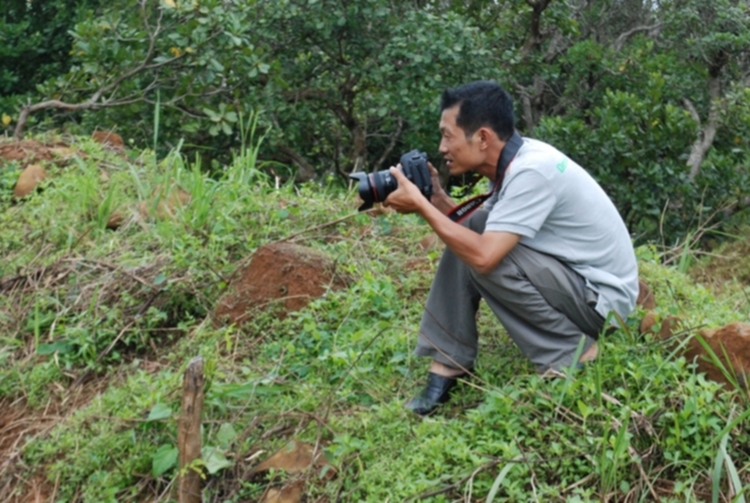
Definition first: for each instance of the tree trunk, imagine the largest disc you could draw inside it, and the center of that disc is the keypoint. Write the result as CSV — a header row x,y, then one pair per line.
x,y
707,132
189,434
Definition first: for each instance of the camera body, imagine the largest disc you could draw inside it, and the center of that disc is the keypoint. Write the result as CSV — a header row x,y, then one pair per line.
x,y
376,186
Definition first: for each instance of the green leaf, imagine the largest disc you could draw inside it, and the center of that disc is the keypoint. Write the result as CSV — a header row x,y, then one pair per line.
x,y
61,347
226,435
159,411
163,459
499,480
160,278
215,460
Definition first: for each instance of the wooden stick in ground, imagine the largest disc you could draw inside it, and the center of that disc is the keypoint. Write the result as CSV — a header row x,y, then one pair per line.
x,y
189,433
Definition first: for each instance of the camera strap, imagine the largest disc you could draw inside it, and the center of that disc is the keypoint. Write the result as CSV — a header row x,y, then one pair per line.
x,y
463,210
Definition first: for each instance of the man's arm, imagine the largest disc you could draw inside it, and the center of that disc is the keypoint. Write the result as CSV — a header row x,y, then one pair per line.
x,y
481,252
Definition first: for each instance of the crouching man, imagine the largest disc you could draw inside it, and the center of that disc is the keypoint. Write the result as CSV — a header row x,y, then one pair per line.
x,y
547,250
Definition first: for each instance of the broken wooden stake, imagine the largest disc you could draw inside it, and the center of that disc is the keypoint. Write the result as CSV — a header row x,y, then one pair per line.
x,y
189,433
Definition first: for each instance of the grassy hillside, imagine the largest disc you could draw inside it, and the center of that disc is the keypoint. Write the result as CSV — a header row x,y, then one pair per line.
x,y
98,321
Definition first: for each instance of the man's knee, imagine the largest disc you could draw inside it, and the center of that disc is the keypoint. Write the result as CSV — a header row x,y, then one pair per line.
x,y
506,269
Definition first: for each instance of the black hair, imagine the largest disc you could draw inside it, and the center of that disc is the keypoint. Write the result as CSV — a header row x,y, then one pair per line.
x,y
482,103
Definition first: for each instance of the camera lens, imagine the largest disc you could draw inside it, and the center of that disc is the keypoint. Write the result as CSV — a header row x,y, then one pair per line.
x,y
374,187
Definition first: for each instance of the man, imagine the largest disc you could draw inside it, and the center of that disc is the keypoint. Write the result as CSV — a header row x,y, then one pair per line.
x,y
548,251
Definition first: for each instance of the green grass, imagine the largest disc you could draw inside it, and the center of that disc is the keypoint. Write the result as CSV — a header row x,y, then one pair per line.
x,y
129,308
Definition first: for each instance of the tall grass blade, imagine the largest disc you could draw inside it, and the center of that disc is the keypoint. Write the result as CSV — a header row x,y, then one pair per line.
x,y
156,122
716,472
499,480
730,376
685,256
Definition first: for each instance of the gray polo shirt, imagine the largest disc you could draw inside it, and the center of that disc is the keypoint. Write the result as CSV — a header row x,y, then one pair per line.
x,y
560,210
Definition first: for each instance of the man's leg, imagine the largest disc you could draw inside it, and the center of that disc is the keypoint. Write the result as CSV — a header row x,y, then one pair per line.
x,y
448,331
543,304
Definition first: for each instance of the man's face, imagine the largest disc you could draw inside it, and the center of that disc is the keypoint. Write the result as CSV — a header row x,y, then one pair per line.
x,y
461,154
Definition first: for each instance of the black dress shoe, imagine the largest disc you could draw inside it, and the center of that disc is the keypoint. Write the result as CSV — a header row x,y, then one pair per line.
x,y
436,392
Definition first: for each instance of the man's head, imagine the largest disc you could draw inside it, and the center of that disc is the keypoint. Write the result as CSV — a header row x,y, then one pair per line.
x,y
477,119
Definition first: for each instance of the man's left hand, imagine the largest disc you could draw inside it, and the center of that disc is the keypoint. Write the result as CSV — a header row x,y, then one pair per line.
x,y
406,198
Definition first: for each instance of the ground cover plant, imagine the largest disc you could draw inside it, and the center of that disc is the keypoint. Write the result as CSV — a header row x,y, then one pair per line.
x,y
97,323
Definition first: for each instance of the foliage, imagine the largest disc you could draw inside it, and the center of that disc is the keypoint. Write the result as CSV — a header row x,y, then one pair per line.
x,y
351,86
35,43
334,374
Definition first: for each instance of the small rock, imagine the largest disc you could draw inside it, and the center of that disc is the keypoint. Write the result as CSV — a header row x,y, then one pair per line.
x,y
115,220
30,178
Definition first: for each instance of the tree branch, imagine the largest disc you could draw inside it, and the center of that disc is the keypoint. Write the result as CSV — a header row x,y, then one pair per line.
x,y
624,37
394,138
93,102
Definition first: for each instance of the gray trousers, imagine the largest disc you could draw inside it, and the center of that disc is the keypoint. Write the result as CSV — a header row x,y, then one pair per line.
x,y
543,304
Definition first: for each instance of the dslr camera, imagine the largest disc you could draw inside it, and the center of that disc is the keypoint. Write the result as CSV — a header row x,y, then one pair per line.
x,y
376,186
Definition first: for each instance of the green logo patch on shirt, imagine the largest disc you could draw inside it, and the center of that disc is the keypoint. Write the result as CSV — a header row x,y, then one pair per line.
x,y
562,165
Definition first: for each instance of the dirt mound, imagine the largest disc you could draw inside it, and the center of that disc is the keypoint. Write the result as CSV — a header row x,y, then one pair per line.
x,y
282,276
110,140
731,344
28,151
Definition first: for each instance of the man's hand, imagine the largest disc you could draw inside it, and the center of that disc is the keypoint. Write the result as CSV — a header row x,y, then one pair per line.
x,y
435,178
440,198
407,198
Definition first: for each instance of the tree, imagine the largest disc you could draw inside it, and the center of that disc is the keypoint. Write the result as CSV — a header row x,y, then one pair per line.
x,y
716,35
34,41
194,55
351,82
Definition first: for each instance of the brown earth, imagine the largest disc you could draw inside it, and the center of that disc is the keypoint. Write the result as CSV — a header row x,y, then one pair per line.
x,y
109,139
731,344
31,154
645,296
283,276
665,328
19,423
27,151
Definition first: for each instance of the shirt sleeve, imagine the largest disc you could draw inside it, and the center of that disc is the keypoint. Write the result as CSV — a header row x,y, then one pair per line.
x,y
524,205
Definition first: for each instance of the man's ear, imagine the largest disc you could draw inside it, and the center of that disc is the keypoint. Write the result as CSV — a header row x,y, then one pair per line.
x,y
484,135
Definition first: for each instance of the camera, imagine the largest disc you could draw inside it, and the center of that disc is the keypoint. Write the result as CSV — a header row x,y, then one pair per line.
x,y
376,186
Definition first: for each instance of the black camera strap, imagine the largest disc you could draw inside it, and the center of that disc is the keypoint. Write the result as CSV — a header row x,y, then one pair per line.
x,y
463,210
